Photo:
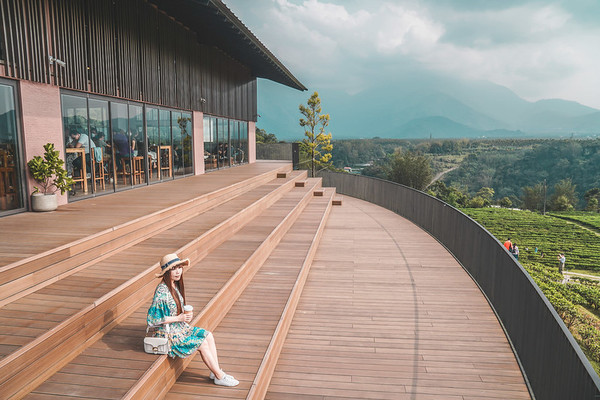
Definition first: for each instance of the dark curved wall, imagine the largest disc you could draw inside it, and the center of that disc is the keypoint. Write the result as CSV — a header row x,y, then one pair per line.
x,y
552,361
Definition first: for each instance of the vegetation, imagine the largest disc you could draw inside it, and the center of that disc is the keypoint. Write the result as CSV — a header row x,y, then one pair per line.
x,y
317,143
263,137
560,174
540,238
49,173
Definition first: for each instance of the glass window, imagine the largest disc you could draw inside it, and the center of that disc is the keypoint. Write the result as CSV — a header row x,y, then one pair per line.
x,y
11,197
185,126
139,144
223,149
78,144
177,143
236,153
153,143
101,158
166,148
210,143
121,146
243,142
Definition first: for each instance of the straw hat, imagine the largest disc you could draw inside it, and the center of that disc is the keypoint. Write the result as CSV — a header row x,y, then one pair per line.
x,y
169,262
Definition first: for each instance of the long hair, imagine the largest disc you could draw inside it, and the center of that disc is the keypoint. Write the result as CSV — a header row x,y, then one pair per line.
x,y
180,286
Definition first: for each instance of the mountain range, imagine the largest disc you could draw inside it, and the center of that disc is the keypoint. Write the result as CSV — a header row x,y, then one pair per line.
x,y
427,106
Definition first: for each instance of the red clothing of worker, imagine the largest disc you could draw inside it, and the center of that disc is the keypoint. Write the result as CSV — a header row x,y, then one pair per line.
x,y
508,244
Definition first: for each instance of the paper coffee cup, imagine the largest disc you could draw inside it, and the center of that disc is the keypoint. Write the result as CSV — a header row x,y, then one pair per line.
x,y
188,309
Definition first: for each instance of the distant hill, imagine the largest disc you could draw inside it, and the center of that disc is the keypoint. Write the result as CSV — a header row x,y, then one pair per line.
x,y
420,106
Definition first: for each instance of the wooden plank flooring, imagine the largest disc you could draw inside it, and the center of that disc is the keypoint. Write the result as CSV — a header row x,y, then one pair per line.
x,y
27,234
388,313
28,317
244,335
87,374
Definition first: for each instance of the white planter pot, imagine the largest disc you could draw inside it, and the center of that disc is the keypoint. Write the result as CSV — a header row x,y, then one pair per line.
x,y
43,202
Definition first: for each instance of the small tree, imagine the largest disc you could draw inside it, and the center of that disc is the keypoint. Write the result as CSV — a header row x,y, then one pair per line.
x,y
410,169
263,137
505,202
533,197
487,194
317,143
49,173
564,196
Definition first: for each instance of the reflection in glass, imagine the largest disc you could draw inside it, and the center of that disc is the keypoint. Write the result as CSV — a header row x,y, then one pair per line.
x,y
78,145
243,153
223,149
139,144
176,119
185,126
234,138
153,143
210,143
166,149
122,151
101,155
10,179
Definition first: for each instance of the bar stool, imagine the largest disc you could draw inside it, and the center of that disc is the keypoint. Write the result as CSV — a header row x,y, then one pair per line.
x,y
98,167
137,169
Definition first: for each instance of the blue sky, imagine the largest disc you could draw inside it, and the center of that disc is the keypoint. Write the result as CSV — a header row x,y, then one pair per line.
x,y
538,49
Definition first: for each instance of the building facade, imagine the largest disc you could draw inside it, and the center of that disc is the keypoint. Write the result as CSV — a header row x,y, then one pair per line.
x,y
131,92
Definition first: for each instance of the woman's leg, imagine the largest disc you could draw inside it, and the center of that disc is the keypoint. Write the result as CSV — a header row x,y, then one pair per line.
x,y
209,356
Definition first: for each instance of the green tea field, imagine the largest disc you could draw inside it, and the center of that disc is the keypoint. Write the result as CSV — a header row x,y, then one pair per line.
x,y
540,238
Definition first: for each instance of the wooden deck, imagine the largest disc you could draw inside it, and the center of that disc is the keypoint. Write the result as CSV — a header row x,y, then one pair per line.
x,y
386,312
29,234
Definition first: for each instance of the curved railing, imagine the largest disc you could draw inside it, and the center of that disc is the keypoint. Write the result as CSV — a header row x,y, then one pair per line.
x,y
550,358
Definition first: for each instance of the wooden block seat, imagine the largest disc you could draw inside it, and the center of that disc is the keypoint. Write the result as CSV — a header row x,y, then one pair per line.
x,y
113,225
239,257
106,291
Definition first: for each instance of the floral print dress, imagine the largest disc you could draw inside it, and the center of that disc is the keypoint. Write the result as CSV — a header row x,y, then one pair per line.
x,y
185,339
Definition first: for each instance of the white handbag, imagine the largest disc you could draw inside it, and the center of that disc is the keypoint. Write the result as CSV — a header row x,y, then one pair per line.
x,y
157,345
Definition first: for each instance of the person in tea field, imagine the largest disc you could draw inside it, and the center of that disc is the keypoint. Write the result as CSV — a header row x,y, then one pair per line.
x,y
515,251
508,245
561,262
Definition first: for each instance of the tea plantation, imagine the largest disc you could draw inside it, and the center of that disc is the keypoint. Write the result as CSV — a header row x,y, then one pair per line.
x,y
540,238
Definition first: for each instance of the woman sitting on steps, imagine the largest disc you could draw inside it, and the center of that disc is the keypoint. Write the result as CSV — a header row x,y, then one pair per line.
x,y
167,308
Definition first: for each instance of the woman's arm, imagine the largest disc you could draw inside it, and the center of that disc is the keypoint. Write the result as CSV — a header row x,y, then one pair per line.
x,y
183,317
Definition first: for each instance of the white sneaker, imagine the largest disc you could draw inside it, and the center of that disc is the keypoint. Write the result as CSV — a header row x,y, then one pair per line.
x,y
212,376
227,380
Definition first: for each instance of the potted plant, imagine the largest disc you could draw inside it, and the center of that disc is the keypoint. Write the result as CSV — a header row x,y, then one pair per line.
x,y
50,175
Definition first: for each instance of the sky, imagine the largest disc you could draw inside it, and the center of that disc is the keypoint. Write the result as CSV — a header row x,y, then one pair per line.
x,y
538,49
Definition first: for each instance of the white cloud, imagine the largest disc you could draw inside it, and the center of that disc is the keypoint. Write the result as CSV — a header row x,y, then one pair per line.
x,y
537,50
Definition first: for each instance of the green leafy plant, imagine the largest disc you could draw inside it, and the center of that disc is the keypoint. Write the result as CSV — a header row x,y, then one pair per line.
x,y
49,173
317,143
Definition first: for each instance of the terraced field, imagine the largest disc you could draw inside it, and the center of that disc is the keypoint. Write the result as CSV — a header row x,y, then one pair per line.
x,y
540,238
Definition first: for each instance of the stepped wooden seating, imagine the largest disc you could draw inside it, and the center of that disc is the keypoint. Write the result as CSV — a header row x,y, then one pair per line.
x,y
110,300
218,284
58,256
250,337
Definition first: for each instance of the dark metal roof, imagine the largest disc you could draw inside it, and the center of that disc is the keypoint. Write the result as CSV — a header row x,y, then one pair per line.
x,y
216,25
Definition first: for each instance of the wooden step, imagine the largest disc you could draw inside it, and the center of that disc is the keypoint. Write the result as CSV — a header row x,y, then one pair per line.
x,y
218,283
32,273
269,361
267,306
65,339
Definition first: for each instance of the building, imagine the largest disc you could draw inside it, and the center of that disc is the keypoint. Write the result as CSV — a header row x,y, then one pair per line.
x,y
131,92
